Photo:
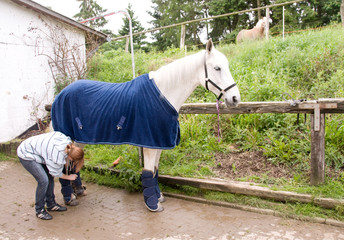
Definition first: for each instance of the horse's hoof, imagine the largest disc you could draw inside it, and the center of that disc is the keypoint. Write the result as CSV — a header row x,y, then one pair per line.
x,y
159,208
161,198
159,194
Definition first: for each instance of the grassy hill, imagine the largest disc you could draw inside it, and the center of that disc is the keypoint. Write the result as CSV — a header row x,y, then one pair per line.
x,y
307,65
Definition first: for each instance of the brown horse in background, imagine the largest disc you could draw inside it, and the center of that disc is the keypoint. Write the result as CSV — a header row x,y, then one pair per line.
x,y
252,34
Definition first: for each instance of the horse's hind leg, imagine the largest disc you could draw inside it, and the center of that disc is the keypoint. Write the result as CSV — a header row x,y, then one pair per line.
x,y
151,158
161,197
151,191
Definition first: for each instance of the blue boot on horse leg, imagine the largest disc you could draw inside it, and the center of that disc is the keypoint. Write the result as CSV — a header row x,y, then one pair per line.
x,y
150,191
159,194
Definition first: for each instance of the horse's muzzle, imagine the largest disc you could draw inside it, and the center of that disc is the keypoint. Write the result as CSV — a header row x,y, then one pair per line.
x,y
236,100
232,101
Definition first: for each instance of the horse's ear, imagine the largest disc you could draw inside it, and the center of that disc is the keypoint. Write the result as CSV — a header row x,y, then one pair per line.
x,y
209,45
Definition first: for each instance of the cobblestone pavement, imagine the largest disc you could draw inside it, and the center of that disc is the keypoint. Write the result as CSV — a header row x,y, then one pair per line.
x,y
107,213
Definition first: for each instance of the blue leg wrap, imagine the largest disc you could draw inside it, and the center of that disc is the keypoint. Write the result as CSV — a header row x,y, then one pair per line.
x,y
149,183
161,197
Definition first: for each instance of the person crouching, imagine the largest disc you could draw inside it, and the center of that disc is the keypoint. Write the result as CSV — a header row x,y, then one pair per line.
x,y
44,156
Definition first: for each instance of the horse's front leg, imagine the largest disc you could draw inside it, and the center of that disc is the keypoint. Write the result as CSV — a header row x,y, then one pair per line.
x,y
151,191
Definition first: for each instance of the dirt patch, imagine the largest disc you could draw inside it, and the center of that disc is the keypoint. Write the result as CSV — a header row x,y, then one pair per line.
x,y
31,133
243,164
248,165
38,128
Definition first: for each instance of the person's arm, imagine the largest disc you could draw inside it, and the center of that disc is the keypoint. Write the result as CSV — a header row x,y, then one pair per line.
x,y
69,177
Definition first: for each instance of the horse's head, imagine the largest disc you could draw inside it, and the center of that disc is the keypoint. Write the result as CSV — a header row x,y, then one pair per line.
x,y
219,80
261,23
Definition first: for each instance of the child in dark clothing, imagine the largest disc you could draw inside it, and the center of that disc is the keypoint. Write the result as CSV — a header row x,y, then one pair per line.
x,y
72,189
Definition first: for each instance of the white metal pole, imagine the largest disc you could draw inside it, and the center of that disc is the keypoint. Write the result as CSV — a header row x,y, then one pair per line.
x,y
267,23
130,32
131,45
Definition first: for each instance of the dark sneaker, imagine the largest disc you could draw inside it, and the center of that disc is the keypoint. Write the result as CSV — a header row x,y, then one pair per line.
x,y
44,215
57,208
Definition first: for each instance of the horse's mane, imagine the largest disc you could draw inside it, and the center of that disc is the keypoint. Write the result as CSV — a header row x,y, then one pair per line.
x,y
260,23
176,71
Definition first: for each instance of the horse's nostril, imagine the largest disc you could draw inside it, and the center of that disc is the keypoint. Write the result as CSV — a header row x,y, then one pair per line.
x,y
235,99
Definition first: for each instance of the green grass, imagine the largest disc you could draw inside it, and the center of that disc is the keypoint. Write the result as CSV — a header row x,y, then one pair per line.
x,y
128,179
5,157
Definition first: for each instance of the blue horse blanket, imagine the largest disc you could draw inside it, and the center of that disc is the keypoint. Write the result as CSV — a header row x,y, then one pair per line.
x,y
133,112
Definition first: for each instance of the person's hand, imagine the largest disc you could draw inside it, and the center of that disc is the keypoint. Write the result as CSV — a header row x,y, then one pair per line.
x,y
72,177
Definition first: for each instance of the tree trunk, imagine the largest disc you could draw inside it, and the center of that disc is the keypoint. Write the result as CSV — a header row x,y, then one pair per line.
x,y
259,11
342,12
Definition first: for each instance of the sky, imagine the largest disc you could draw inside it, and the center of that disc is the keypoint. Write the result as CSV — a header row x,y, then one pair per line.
x,y
69,8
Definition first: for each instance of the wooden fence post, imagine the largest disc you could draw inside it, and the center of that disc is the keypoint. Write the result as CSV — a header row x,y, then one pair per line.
x,y
318,151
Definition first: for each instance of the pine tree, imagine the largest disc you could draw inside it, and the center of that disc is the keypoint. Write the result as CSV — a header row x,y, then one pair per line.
x,y
167,12
136,27
89,9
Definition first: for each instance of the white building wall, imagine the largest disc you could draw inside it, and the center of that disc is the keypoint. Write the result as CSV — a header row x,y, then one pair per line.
x,y
26,82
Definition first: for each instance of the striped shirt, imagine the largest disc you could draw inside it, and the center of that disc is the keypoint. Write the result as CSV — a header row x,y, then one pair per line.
x,y
48,149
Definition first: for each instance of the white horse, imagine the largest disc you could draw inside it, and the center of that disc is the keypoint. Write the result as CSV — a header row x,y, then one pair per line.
x,y
252,34
175,81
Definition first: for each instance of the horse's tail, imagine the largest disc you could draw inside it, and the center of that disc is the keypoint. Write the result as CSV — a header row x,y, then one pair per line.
x,y
262,32
239,37
50,127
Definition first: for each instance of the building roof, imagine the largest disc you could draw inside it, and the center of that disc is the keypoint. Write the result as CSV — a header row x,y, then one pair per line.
x,y
48,12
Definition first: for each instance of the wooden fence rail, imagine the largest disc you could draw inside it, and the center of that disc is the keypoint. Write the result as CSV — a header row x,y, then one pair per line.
x,y
317,109
325,106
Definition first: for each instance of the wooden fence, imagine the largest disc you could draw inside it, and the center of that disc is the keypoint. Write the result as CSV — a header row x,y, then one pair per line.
x,y
317,109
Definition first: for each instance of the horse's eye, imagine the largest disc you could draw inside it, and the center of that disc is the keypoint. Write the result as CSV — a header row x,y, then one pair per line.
x,y
217,68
